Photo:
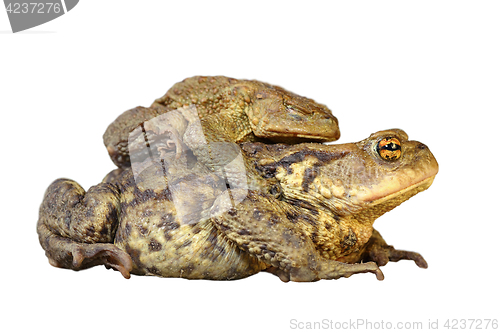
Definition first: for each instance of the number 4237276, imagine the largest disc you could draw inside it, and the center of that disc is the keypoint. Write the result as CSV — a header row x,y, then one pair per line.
x,y
456,324
34,8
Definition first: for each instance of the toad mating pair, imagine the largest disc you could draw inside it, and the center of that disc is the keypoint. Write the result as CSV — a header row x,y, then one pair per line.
x,y
221,179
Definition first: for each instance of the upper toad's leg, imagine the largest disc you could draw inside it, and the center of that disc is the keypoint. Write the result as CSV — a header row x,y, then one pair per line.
x,y
76,228
377,250
258,226
116,137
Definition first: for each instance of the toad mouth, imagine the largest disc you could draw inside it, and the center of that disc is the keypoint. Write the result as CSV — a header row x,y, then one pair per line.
x,y
422,185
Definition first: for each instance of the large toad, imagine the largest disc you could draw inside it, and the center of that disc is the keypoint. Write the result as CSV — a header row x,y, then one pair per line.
x,y
303,212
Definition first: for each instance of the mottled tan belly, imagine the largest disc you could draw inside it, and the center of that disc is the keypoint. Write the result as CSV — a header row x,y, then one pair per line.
x,y
197,251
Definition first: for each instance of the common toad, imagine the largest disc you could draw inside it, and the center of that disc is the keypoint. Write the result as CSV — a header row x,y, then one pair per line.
x,y
303,212
231,110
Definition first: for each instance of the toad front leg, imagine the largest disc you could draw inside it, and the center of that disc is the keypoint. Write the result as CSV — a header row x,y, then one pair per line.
x,y
377,250
259,226
76,229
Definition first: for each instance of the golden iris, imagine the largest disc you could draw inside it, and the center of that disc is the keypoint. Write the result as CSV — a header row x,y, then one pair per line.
x,y
389,149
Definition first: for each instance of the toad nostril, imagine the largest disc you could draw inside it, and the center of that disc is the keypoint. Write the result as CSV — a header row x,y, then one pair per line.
x,y
422,146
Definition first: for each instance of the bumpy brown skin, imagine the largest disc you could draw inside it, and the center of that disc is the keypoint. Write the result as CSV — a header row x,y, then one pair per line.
x,y
232,110
306,213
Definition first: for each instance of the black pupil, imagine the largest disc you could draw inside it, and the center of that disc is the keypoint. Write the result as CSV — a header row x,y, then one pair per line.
x,y
391,147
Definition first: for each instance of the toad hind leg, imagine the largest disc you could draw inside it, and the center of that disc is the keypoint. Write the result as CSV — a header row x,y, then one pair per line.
x,y
259,226
76,229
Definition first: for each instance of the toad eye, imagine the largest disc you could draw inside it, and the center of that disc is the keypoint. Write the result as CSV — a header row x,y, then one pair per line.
x,y
295,111
389,149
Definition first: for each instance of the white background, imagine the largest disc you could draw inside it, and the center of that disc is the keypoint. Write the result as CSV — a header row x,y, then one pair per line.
x,y
431,68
